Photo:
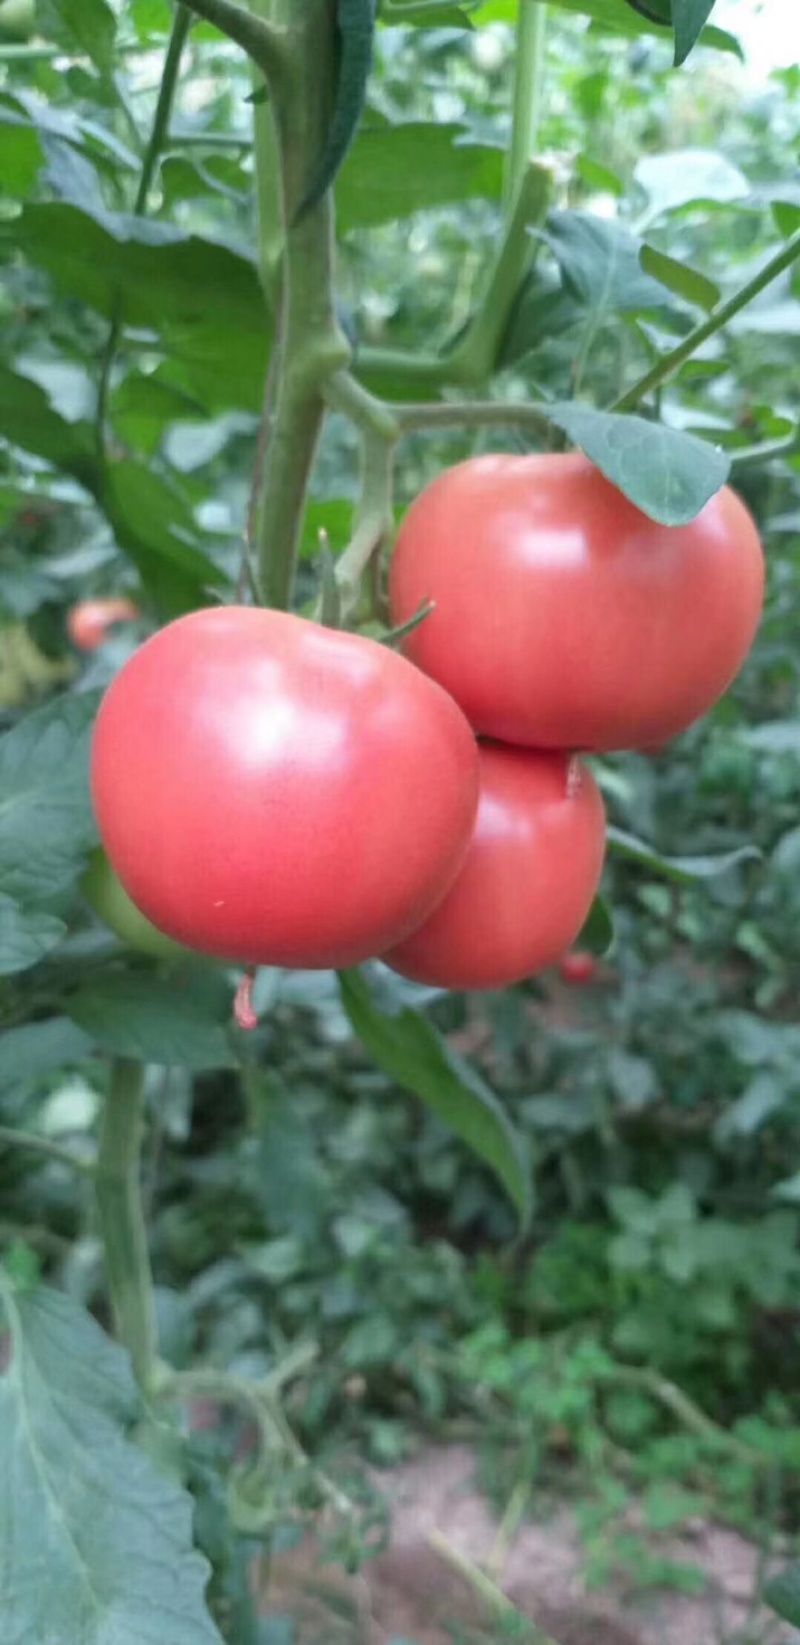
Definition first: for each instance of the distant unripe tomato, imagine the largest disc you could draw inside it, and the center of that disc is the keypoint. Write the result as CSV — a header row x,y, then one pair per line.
x,y
274,792
528,881
564,617
577,968
110,901
88,623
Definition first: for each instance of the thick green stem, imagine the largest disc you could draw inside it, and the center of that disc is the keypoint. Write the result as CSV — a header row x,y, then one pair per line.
x,y
310,344
258,38
122,1226
671,362
166,95
529,60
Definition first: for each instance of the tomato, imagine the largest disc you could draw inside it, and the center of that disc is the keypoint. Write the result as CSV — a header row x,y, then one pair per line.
x,y
110,901
528,881
88,623
274,792
564,617
578,967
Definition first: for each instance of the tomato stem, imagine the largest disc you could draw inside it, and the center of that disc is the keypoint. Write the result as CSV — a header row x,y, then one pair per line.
x,y
121,1217
529,58
719,317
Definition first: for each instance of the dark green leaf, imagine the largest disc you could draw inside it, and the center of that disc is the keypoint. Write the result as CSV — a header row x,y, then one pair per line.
x,y
28,1054
688,20
599,261
84,26
46,823
26,935
394,171
27,419
598,933
682,869
669,475
413,1054
782,1592
152,1019
616,15
355,26
80,1502
153,522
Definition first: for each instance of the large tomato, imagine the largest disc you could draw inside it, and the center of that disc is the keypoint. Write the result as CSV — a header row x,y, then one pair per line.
x,y
90,621
110,901
564,617
273,792
528,880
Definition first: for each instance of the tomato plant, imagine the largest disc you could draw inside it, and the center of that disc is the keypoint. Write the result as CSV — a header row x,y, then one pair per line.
x,y
563,616
272,791
529,878
90,621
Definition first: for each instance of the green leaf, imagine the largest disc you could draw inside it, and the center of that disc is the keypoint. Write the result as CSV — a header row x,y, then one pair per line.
x,y
46,823
616,15
26,935
413,1054
394,171
155,525
28,419
87,27
680,279
600,264
689,177
151,1019
29,1054
782,1592
669,475
688,20
355,27
684,870
597,935
95,1542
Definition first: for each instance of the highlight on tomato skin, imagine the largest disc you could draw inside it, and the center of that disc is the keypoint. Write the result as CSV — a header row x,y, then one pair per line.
x,y
563,617
272,792
528,881
89,622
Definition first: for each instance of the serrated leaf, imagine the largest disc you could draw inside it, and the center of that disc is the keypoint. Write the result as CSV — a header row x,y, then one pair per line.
x,y
394,171
46,823
599,262
689,18
85,26
669,475
152,1019
95,1543
684,870
409,1049
680,279
26,935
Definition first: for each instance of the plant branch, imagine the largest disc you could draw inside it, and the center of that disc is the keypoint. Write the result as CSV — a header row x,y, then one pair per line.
x,y
528,86
493,1597
166,95
766,452
262,42
414,419
719,317
11,1138
119,1205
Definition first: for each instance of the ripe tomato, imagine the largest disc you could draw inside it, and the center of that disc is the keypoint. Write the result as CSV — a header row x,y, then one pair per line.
x,y
88,622
528,880
578,967
110,901
273,792
564,617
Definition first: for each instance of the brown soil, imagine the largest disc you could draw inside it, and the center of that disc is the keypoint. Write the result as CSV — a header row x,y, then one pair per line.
x,y
415,1594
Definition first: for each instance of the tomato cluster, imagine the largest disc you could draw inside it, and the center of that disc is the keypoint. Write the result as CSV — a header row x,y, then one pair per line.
x,y
273,792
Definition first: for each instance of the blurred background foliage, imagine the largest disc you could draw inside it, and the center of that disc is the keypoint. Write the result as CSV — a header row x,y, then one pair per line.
x,y
299,1197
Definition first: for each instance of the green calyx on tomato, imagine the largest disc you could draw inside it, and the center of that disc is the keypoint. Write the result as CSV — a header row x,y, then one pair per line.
x,y
109,900
273,792
528,880
564,617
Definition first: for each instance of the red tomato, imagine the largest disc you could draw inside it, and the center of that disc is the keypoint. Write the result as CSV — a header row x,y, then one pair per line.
x,y
578,967
88,622
528,880
564,617
273,792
